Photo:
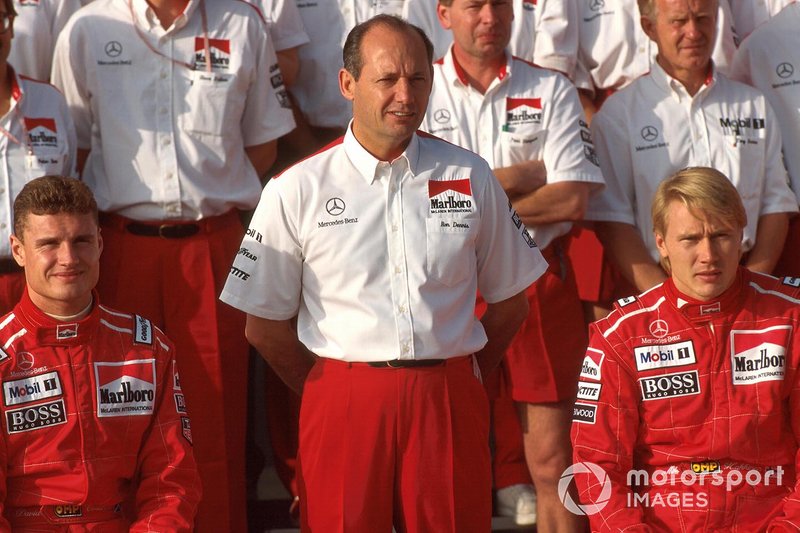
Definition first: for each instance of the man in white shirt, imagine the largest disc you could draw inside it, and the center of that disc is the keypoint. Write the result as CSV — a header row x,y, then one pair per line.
x,y
750,14
358,274
177,105
528,124
685,113
769,60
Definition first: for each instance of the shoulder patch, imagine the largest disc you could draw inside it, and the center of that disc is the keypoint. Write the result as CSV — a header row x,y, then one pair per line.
x,y
792,282
3,355
143,331
622,302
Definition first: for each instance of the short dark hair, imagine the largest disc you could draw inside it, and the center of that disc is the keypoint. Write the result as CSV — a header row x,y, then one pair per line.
x,y
351,53
51,195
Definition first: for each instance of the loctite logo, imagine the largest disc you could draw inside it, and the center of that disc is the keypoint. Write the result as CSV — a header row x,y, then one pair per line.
x,y
35,417
670,385
588,391
665,355
759,355
31,389
126,388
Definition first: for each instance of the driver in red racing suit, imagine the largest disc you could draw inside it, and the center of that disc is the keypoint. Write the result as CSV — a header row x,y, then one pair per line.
x,y
95,430
694,385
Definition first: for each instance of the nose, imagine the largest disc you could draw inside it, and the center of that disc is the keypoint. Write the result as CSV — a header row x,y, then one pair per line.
x,y
488,13
403,92
692,28
706,251
67,254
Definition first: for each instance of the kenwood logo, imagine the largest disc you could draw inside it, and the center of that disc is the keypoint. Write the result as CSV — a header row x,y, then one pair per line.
x,y
584,413
660,356
670,385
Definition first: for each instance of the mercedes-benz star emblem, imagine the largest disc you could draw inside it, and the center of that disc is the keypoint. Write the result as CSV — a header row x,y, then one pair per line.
x,y
334,206
659,328
113,48
649,133
596,5
441,116
784,70
24,360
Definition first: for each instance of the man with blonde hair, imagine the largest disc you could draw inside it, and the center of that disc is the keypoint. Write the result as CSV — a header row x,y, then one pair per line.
x,y
689,394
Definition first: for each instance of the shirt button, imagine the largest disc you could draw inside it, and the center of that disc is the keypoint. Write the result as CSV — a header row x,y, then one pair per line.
x,y
402,308
170,175
166,141
398,270
404,350
163,74
163,110
394,227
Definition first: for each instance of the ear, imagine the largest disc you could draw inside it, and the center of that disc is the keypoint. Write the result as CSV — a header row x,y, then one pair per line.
x,y
443,14
661,245
649,27
347,84
18,250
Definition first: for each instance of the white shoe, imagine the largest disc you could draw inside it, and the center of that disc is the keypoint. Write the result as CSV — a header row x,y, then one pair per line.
x,y
518,501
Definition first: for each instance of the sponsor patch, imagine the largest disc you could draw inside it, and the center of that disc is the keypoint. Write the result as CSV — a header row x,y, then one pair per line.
x,y
3,355
792,282
659,328
759,355
528,239
31,389
450,196
588,391
521,111
66,331
670,385
706,467
176,380
126,389
219,51
661,356
584,413
35,417
239,273
41,131
67,511
180,403
144,331
710,309
186,427
622,302
592,364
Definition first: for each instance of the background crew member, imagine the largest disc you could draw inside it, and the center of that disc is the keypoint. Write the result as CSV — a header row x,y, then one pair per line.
x,y
697,377
36,138
750,14
96,435
177,104
682,113
385,208
769,59
36,28
528,124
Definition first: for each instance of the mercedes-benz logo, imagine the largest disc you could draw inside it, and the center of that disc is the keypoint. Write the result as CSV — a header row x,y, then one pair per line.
x,y
441,116
649,133
24,360
334,206
113,48
659,328
784,70
596,5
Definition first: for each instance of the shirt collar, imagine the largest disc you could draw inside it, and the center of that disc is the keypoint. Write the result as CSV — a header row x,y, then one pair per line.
x,y
455,72
697,310
670,85
367,164
52,332
146,16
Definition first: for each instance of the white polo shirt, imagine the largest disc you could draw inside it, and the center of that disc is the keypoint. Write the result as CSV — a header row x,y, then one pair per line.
x,y
167,136
36,29
769,59
285,25
543,31
613,50
382,261
750,14
526,114
41,142
653,128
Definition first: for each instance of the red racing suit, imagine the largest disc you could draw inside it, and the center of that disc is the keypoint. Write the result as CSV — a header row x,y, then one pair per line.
x,y
95,432
692,410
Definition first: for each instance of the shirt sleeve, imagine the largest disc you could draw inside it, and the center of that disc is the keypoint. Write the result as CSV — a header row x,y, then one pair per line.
x,y
168,492
603,437
285,24
70,76
556,39
727,40
777,197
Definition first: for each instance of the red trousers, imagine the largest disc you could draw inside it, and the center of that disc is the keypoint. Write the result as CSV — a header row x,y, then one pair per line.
x,y
394,446
176,284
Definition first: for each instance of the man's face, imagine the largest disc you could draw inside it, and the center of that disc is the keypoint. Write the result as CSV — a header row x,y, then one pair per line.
x,y
481,28
61,256
703,252
684,32
391,95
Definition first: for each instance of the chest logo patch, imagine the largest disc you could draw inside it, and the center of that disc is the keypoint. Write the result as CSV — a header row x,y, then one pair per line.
x,y
670,385
521,111
41,132
31,389
450,196
759,355
126,388
36,416
219,52
661,356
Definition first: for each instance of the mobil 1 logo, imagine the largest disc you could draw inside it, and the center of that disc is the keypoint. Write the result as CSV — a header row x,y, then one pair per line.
x,y
670,385
665,355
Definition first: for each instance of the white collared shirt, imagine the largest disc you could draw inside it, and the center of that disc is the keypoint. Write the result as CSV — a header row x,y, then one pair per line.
x,y
36,28
750,14
526,114
167,140
283,20
613,50
653,128
43,144
769,59
382,261
543,31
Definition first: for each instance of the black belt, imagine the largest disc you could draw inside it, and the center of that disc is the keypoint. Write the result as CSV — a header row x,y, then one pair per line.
x,y
9,266
165,231
406,363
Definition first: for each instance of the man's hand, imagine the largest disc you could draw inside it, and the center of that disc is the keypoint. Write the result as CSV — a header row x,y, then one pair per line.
x,y
501,322
276,341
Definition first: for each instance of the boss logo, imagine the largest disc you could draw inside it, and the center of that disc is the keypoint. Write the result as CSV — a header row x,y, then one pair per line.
x,y
35,417
670,385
